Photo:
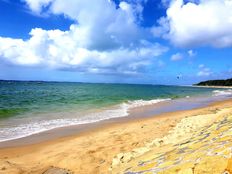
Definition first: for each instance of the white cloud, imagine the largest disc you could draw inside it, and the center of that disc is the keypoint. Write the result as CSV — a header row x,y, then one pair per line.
x,y
176,57
200,23
37,5
191,53
58,49
103,39
204,71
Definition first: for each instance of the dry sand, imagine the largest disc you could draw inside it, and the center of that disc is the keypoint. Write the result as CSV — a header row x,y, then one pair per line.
x,y
101,150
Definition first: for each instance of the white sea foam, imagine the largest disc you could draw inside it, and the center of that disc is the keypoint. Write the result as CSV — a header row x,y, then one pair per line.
x,y
139,103
222,92
24,130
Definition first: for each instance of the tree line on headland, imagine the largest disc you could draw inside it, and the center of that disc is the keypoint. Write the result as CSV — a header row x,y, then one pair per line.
x,y
227,82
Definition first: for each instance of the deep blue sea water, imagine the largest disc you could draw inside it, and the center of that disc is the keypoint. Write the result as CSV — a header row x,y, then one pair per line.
x,y
31,107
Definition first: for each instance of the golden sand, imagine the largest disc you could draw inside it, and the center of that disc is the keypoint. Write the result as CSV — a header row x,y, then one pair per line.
x,y
194,141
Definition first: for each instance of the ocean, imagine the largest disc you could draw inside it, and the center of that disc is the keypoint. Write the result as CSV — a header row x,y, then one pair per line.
x,y
27,108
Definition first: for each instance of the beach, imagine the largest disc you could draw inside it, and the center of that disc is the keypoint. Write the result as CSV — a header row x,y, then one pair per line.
x,y
116,87
28,108
122,147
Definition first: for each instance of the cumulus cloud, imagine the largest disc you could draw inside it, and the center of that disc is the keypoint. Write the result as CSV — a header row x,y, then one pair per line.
x,y
58,49
197,23
176,57
98,26
103,39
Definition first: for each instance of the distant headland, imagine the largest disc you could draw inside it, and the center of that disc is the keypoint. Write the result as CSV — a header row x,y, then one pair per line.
x,y
227,82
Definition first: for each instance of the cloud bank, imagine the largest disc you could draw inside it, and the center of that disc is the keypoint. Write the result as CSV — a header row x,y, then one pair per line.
x,y
108,38
104,38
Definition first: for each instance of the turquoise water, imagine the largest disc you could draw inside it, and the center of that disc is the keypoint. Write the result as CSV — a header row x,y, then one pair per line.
x,y
18,98
30,107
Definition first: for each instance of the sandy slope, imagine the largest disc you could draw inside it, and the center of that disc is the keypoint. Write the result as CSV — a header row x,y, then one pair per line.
x,y
197,144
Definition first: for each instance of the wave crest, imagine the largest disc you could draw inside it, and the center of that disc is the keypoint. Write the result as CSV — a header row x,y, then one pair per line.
x,y
31,128
222,92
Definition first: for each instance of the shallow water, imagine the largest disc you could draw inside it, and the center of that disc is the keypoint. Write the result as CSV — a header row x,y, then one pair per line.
x,y
31,107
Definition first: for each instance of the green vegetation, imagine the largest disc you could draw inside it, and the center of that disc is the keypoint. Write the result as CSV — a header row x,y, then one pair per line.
x,y
227,82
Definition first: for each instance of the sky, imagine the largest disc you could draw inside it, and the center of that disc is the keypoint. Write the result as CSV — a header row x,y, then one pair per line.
x,y
176,42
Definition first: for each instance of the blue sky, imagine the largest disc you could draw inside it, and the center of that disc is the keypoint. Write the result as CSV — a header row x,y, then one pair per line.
x,y
131,41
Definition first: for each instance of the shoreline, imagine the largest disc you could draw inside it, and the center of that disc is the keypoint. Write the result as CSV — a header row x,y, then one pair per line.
x,y
17,129
93,151
138,113
219,87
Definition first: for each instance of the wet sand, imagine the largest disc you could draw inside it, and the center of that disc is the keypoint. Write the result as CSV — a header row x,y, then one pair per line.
x,y
93,151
